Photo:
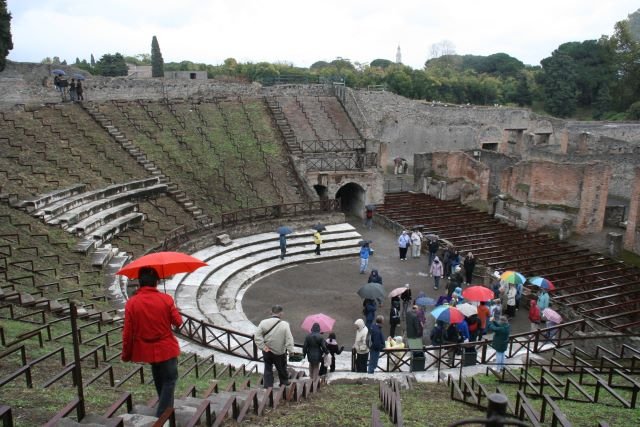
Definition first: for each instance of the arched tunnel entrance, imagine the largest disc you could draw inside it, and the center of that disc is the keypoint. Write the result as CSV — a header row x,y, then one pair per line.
x,y
352,198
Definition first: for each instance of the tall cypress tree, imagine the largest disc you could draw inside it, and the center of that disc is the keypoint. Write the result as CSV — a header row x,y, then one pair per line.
x,y
6,44
93,61
157,63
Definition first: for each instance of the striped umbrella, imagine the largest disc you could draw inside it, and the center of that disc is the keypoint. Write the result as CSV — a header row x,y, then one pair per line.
x,y
447,314
542,283
513,277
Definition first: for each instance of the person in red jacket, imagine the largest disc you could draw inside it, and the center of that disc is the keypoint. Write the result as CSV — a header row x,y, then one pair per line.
x,y
147,335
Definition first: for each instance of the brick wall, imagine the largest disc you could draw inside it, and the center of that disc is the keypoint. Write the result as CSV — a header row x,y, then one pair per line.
x,y
631,237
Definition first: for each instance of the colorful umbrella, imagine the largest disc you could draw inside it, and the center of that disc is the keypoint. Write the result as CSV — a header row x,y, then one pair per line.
x,y
447,314
552,315
326,323
284,230
542,282
467,309
425,301
165,263
513,277
478,293
372,291
397,292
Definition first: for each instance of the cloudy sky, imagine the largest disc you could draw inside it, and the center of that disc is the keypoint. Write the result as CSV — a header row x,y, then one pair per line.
x,y
302,32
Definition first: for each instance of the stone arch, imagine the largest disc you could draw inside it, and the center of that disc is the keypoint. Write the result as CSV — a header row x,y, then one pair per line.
x,y
352,198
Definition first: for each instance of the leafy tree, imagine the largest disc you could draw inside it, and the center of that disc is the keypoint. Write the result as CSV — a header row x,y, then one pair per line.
x,y
319,65
112,65
501,64
627,54
633,112
522,95
634,25
6,43
381,63
602,103
559,84
157,63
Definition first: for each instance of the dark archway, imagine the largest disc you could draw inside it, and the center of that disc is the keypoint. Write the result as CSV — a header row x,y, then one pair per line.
x,y
352,198
322,192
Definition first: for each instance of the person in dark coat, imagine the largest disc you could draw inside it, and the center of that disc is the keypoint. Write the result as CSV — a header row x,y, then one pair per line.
x,y
500,343
377,344
283,245
406,299
369,312
79,91
433,246
374,277
332,346
314,349
455,281
469,265
394,316
413,328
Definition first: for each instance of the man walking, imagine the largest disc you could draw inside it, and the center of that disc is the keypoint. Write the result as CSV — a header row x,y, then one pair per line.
x,y
147,336
274,338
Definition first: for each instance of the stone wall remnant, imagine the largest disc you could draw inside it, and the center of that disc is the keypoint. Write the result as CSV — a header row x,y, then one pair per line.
x,y
632,235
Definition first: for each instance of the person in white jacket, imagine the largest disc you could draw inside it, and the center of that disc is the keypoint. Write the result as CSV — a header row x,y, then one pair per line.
x,y
416,243
511,301
360,344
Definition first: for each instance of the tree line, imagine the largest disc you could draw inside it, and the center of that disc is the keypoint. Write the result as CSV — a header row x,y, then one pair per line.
x,y
597,79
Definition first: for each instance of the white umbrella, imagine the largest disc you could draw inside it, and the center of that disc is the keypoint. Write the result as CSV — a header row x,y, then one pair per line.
x,y
467,309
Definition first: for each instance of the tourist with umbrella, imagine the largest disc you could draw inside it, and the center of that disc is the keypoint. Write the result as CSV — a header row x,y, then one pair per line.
x,y
365,252
543,299
394,315
534,315
375,277
369,311
317,240
314,349
406,299
283,231
552,319
149,316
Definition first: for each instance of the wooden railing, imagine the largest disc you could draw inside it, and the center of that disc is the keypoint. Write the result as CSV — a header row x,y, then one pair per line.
x,y
286,210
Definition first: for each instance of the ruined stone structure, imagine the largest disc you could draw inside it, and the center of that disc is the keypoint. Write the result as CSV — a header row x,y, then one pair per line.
x,y
494,140
632,236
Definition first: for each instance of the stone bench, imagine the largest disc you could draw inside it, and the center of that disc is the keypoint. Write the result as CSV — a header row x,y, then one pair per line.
x,y
42,200
101,218
108,231
69,203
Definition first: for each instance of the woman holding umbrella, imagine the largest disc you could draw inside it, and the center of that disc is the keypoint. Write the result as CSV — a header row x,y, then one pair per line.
x,y
147,335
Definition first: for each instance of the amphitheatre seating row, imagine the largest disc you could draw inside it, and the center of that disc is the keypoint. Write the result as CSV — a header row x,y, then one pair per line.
x,y
214,293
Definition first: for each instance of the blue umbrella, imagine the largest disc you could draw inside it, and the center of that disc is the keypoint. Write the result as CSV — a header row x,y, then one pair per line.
x,y
284,230
424,301
79,76
58,72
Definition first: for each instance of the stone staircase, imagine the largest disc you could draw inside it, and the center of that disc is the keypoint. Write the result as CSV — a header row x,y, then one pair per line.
x,y
178,195
283,124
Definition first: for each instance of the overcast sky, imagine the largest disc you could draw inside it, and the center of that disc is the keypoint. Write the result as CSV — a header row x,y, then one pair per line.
x,y
303,32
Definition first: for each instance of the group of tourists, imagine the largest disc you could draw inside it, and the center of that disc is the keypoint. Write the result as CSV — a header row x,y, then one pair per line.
x,y
73,88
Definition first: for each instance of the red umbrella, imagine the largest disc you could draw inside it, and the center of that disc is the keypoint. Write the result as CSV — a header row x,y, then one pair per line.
x,y
165,263
478,293
326,323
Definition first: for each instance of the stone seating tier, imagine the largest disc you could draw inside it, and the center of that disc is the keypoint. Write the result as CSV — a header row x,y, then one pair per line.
x,y
214,293
69,203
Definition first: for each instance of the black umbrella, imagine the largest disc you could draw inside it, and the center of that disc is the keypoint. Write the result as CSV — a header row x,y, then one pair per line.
x,y
284,230
319,227
58,72
365,242
373,291
79,76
